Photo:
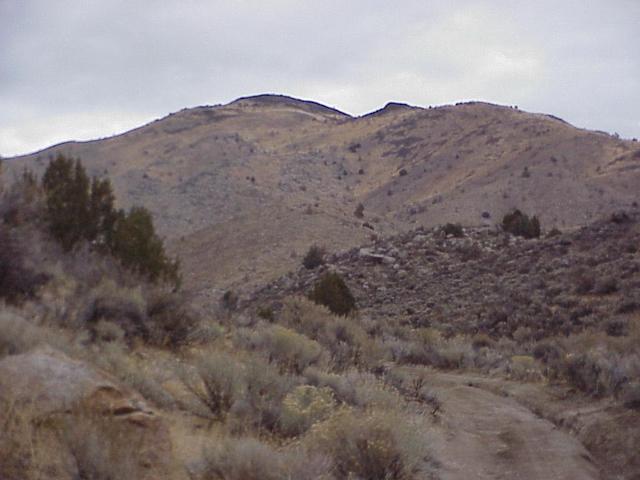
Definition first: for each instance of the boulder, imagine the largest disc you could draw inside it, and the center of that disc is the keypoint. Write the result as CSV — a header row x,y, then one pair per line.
x,y
368,254
87,425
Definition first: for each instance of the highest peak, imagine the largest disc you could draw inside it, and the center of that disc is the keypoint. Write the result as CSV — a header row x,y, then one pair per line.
x,y
271,99
392,107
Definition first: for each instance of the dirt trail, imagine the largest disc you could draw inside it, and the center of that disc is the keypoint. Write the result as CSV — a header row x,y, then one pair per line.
x,y
487,436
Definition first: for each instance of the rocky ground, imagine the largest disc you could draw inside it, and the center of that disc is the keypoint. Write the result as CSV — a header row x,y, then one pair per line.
x,y
488,281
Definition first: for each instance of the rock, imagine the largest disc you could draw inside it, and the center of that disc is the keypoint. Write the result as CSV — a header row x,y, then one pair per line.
x,y
368,254
100,418
388,260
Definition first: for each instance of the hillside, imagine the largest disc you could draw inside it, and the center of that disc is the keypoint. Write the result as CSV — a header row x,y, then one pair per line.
x,y
471,354
242,190
561,311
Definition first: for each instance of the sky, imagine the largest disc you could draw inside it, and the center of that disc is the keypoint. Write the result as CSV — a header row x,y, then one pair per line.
x,y
86,69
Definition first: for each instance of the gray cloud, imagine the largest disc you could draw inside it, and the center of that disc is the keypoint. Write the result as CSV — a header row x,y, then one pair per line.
x,y
85,69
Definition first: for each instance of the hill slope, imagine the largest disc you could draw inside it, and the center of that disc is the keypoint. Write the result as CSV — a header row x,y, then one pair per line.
x,y
242,190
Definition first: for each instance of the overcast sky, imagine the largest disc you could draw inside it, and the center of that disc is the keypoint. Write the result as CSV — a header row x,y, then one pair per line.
x,y
90,68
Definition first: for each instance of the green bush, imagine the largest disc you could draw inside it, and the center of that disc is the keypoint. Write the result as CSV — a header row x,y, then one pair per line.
x,y
520,225
332,292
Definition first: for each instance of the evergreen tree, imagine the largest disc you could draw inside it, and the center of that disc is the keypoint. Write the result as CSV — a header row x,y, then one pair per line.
x,y
102,213
79,209
333,292
519,224
136,244
66,189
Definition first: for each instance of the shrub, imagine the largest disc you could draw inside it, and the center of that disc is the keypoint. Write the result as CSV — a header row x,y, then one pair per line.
x,y
606,286
615,327
374,446
266,313
264,390
217,381
17,443
243,459
17,282
589,372
343,390
288,348
171,319
304,406
247,458
547,352
554,232
229,300
135,373
313,258
454,229
520,225
630,396
98,450
106,331
17,335
359,211
347,342
524,368
20,203
333,292
482,341
585,282
123,306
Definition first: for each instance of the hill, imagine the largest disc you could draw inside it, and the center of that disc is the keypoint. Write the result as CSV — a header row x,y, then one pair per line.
x,y
242,190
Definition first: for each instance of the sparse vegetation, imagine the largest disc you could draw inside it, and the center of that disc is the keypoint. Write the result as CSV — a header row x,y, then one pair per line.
x,y
285,386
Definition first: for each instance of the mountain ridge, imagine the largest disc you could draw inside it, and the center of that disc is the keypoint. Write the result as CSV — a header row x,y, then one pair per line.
x,y
262,178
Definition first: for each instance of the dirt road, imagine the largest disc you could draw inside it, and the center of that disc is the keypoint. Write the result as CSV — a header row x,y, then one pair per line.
x,y
488,436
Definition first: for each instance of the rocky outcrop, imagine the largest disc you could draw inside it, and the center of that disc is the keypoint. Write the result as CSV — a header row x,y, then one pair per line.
x,y
488,281
79,422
